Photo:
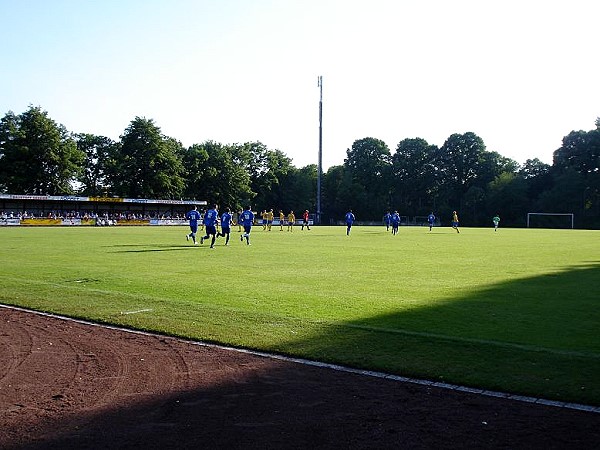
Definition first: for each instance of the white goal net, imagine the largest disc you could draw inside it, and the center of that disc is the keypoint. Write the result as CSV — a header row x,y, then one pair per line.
x,y
550,220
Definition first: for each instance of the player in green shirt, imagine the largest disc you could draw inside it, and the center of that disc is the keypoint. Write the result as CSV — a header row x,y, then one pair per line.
x,y
496,220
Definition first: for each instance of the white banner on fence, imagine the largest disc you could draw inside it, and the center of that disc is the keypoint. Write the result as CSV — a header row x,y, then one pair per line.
x,y
10,222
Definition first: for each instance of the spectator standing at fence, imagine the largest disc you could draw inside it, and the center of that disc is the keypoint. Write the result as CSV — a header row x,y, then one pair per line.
x,y
247,220
496,220
226,225
431,220
395,220
305,217
291,218
193,216
455,221
349,221
210,224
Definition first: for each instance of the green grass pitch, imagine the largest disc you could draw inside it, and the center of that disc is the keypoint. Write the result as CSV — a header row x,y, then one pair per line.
x,y
516,310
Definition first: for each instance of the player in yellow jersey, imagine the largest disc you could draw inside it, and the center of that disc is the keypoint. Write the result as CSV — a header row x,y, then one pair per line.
x,y
291,220
263,214
455,221
269,219
239,221
281,220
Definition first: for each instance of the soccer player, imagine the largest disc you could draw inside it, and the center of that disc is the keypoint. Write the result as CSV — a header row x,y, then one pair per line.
x,y
305,220
387,219
239,220
264,219
226,225
349,221
269,219
496,220
431,220
291,220
246,219
210,224
193,216
395,221
281,220
455,221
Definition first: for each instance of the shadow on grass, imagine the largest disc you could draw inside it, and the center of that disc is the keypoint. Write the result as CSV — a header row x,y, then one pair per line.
x,y
145,248
536,336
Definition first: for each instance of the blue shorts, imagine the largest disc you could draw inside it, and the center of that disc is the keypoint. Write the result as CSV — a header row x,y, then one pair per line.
x,y
455,224
247,229
225,230
211,229
194,228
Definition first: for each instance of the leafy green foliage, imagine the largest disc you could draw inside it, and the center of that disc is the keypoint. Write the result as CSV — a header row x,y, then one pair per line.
x,y
37,155
148,163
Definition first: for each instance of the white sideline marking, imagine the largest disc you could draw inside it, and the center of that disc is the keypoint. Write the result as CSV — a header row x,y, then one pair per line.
x,y
136,312
307,362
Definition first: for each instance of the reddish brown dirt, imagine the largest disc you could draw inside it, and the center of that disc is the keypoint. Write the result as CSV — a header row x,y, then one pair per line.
x,y
65,384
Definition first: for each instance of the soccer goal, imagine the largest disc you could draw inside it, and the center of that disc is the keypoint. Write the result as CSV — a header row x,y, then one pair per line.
x,y
550,220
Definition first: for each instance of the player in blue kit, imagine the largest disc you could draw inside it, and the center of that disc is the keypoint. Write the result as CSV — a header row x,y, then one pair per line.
x,y
210,225
226,225
193,216
431,220
395,219
247,220
387,219
349,221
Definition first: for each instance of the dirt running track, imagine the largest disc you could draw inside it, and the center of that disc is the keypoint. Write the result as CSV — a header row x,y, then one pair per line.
x,y
65,384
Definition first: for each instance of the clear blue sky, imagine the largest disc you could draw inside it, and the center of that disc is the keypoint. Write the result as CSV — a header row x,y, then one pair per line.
x,y
521,74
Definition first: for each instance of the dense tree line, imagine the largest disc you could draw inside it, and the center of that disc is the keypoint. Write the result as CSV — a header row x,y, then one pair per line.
x,y
39,156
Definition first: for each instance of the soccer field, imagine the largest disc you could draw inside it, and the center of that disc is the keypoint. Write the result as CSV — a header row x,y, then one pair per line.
x,y
515,310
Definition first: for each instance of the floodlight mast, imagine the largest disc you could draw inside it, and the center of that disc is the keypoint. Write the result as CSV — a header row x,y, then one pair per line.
x,y
320,160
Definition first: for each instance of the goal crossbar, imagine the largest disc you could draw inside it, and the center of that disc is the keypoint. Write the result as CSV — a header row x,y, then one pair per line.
x,y
552,214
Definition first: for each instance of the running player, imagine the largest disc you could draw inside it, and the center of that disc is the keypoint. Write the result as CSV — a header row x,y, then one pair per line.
x,y
496,220
226,225
247,220
193,216
455,221
349,221
210,223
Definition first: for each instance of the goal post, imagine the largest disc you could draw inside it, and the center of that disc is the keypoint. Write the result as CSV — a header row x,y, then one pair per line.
x,y
550,220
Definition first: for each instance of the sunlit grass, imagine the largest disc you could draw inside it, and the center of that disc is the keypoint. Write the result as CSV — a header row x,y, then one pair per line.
x,y
511,310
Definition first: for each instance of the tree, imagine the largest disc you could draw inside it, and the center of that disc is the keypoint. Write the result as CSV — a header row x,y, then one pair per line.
x,y
148,164
369,163
507,196
99,154
37,155
537,176
299,189
459,165
212,174
414,176
580,153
